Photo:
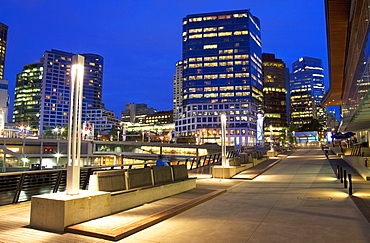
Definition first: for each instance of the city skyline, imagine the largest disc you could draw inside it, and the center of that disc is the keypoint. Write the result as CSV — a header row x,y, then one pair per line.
x,y
141,42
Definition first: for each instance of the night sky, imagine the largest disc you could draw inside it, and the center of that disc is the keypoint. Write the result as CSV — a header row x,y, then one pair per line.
x,y
140,40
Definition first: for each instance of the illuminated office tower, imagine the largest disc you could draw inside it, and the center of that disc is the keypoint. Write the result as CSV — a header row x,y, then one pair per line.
x,y
306,90
54,73
27,97
3,38
221,54
177,89
274,94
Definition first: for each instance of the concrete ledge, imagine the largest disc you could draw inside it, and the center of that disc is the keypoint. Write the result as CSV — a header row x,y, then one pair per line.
x,y
129,229
53,212
358,164
133,198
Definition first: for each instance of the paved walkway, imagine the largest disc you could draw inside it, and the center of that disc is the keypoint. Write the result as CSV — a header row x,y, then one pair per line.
x,y
299,199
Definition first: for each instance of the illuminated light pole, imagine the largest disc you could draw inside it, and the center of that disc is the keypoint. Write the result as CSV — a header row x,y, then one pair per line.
x,y
271,145
223,140
74,133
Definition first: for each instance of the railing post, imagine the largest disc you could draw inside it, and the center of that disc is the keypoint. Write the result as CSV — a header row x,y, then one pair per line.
x,y
57,183
192,163
87,178
350,184
19,188
345,178
204,161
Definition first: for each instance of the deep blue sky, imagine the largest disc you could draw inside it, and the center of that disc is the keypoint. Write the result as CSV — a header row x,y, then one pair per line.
x,y
140,40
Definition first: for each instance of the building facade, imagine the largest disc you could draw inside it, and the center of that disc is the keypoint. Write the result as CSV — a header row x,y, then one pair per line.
x,y
348,32
177,89
222,73
28,96
4,104
274,94
54,73
103,119
3,41
306,91
160,117
136,113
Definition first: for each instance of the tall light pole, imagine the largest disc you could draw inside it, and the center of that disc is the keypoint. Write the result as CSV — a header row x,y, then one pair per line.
x,y
74,133
223,140
271,145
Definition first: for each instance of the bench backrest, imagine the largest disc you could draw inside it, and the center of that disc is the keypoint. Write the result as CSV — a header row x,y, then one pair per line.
x,y
162,174
139,178
180,172
112,180
119,180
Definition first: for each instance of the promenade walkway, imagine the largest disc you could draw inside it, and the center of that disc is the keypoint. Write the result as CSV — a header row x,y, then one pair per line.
x,y
298,199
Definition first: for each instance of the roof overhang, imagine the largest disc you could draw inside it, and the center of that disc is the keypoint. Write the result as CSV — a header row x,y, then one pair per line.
x,y
337,16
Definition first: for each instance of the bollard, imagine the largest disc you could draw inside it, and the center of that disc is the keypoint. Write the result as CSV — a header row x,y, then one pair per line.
x,y
350,184
345,178
338,175
341,174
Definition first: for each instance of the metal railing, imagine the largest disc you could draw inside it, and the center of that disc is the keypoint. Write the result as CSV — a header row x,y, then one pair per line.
x,y
21,186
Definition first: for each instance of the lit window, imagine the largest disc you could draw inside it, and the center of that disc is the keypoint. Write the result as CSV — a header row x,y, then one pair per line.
x,y
225,33
210,35
194,31
211,64
210,58
210,46
195,36
210,18
228,94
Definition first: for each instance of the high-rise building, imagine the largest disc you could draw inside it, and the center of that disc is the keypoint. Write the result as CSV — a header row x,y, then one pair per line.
x,y
3,40
43,90
222,73
274,94
177,89
306,91
27,101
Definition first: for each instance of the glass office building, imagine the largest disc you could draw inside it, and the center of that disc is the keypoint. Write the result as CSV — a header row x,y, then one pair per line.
x,y
306,91
274,94
222,73
43,89
27,100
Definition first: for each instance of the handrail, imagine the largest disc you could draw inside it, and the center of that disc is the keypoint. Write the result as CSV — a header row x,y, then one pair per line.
x,y
20,186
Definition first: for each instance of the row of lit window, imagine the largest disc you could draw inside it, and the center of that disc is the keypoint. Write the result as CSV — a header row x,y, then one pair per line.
x,y
217,113
219,34
211,95
223,88
216,64
198,19
215,76
214,58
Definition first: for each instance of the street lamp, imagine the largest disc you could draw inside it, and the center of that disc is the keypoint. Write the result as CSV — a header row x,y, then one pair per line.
x,y
223,140
74,133
271,145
